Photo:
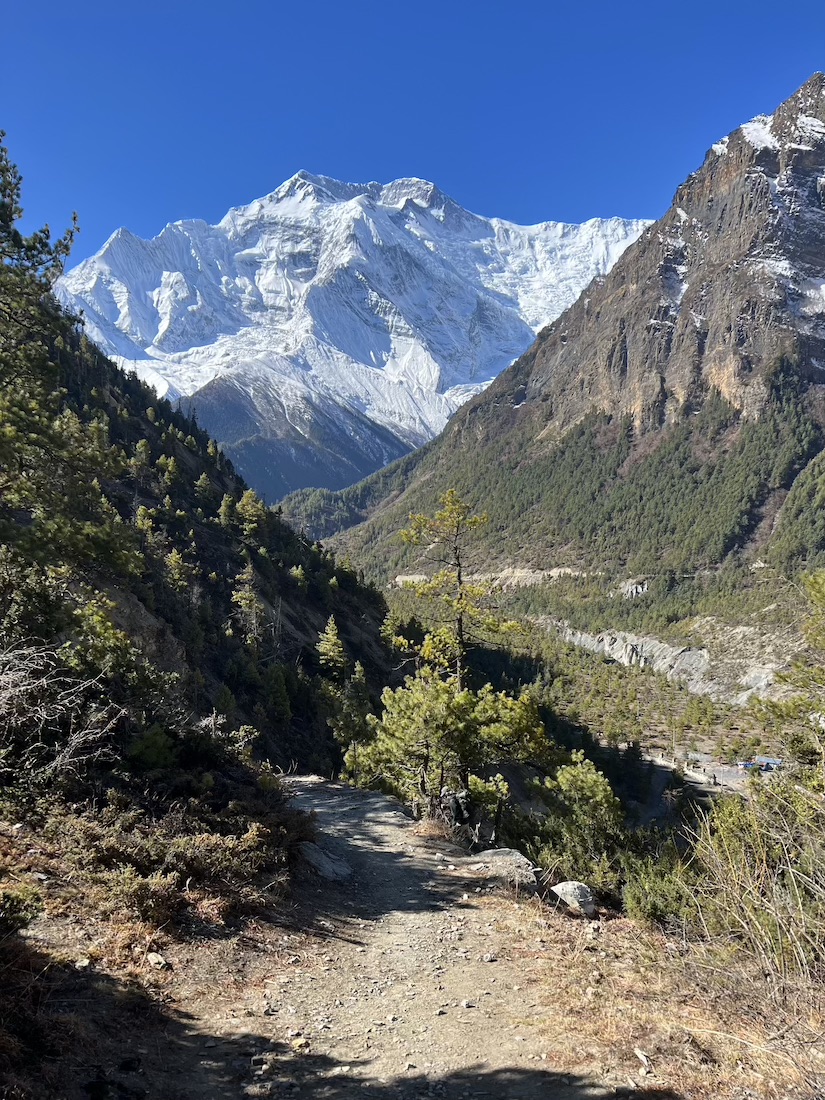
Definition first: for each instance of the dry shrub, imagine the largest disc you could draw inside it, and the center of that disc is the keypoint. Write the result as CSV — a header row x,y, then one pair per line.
x,y
53,725
160,869
762,879
701,1013
434,828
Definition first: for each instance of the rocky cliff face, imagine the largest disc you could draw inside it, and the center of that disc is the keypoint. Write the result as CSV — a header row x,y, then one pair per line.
x,y
738,663
679,350
731,279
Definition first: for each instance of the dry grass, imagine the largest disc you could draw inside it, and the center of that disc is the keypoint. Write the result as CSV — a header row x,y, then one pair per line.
x,y
86,961
433,828
651,1010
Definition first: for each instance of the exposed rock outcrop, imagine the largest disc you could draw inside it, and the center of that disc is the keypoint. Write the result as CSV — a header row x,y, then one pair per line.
x,y
733,675
509,866
709,298
324,863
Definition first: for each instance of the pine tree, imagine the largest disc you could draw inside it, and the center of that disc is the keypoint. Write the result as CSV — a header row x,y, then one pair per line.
x,y
331,652
250,609
226,512
433,732
460,603
252,513
178,570
204,493
48,456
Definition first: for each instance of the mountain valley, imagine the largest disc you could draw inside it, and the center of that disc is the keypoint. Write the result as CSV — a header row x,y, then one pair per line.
x,y
512,786
670,418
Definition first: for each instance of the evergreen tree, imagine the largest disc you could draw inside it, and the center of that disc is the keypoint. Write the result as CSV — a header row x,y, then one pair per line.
x,y
250,611
447,535
204,493
433,733
331,652
226,512
252,514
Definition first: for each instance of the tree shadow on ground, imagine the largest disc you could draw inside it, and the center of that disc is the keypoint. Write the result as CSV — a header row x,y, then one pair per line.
x,y
383,866
69,1034
311,1076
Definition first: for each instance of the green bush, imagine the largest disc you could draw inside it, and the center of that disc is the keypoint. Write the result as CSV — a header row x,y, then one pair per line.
x,y
656,890
153,750
209,858
583,834
156,898
18,905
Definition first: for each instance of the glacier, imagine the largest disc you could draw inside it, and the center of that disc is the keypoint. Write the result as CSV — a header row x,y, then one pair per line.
x,y
327,328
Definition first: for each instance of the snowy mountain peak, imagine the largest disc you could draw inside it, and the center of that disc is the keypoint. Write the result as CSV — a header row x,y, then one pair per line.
x,y
306,185
373,309
798,125
419,191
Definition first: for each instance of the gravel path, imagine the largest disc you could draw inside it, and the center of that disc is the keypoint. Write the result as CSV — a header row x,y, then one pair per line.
x,y
419,989
414,971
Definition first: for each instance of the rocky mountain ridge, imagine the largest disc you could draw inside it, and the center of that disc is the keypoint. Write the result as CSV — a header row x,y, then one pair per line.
x,y
327,328
728,282
673,414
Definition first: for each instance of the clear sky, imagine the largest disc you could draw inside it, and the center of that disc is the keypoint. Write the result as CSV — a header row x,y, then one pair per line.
x,y
139,113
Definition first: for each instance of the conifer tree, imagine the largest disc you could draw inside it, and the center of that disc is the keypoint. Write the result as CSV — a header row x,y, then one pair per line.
x,y
461,601
251,511
204,493
226,512
331,652
250,613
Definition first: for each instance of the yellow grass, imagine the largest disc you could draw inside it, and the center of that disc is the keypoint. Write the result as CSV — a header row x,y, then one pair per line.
x,y
665,1014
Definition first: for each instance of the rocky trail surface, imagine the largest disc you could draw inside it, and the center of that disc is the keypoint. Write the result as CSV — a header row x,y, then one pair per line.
x,y
417,987
417,972
403,968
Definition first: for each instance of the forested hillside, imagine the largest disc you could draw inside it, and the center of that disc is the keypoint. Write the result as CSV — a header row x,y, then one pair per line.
x,y
600,497
158,624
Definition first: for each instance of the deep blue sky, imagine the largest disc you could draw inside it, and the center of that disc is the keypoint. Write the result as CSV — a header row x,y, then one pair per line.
x,y
141,113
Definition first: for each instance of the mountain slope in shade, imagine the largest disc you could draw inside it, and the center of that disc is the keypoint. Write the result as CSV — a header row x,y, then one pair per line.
x,y
324,330
663,418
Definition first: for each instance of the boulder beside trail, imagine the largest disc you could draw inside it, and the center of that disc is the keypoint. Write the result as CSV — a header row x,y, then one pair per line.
x,y
324,863
577,896
509,865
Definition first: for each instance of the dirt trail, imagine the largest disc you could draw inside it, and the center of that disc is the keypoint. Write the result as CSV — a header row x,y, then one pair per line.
x,y
417,982
423,986
415,974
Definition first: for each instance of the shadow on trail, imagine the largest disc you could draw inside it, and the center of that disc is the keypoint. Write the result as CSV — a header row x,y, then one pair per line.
x,y
68,1034
323,1078
369,861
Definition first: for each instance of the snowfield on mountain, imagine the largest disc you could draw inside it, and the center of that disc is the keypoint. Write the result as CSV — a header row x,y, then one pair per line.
x,y
327,328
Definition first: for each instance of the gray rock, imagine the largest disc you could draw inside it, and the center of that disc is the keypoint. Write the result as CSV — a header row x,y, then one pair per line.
x,y
577,896
744,663
510,866
324,863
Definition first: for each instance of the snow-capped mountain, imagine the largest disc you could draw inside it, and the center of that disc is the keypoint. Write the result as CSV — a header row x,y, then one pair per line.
x,y
327,328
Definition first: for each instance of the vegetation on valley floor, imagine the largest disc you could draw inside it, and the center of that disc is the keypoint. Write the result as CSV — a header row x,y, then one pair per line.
x,y
667,602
